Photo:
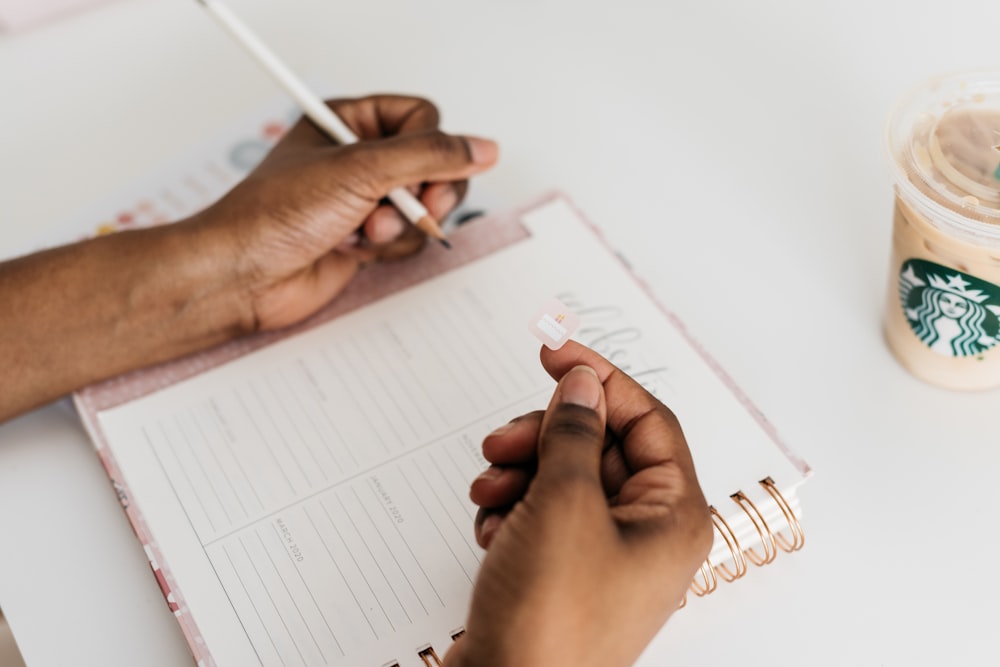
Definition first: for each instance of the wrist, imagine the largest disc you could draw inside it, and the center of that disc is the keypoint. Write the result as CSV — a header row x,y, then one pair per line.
x,y
81,313
197,283
165,292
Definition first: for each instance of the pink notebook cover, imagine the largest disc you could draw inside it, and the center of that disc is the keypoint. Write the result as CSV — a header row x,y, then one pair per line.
x,y
20,14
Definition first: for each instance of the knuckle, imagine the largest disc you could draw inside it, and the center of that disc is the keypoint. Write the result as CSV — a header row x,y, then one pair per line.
x,y
668,418
362,175
339,103
701,530
448,148
346,108
667,415
691,514
658,420
428,108
574,422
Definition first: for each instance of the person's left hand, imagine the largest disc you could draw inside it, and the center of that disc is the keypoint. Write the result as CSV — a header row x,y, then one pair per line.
x,y
594,523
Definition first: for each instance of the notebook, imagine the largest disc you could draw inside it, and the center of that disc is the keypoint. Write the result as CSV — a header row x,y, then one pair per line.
x,y
303,495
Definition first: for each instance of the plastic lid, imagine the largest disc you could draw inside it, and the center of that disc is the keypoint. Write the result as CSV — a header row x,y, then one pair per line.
x,y
965,148
943,142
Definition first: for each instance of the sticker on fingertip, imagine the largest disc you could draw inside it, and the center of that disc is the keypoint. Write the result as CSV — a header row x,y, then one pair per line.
x,y
553,324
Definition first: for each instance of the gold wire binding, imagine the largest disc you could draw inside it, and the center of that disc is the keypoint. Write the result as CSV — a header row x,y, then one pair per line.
x,y
457,633
798,537
766,537
734,548
427,655
684,601
708,576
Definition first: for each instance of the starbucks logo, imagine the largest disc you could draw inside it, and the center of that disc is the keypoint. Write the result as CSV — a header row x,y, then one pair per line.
x,y
953,313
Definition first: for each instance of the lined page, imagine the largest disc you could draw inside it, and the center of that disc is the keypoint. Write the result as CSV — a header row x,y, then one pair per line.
x,y
310,499
326,483
291,429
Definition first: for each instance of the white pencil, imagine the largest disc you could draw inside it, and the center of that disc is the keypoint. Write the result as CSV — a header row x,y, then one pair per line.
x,y
316,110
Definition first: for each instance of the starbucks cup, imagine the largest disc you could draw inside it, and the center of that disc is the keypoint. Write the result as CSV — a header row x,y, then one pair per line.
x,y
942,315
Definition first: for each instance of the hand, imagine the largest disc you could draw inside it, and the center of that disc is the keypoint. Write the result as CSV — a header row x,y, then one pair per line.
x,y
310,214
271,252
593,520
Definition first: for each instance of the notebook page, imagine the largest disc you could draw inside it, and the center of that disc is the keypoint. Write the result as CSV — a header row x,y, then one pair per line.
x,y
326,482
310,499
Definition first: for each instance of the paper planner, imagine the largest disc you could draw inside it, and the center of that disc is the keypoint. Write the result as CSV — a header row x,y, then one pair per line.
x,y
307,503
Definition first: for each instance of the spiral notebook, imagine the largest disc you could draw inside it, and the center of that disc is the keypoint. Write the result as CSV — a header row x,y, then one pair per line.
x,y
303,496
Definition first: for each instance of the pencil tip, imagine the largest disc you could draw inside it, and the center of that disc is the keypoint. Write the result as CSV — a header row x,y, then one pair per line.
x,y
429,226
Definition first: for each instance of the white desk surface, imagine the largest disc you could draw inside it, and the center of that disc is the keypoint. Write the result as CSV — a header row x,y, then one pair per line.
x,y
730,149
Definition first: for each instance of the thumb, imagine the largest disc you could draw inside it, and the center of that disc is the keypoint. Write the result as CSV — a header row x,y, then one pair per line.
x,y
406,159
571,438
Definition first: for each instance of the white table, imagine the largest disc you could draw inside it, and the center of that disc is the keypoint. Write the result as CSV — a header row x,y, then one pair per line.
x,y
730,149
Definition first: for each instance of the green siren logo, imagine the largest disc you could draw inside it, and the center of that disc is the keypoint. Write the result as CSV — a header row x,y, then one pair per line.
x,y
953,313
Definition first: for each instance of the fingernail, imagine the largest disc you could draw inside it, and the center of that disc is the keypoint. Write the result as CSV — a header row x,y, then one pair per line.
x,y
489,526
581,386
491,473
483,151
387,227
448,199
501,429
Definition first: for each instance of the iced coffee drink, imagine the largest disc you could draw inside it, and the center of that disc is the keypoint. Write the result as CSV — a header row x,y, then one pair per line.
x,y
942,316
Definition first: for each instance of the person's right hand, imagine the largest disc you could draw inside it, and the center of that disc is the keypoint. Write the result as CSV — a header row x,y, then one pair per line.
x,y
272,251
287,229
594,523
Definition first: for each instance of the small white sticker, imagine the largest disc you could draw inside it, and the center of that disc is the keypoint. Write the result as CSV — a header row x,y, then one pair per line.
x,y
553,324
